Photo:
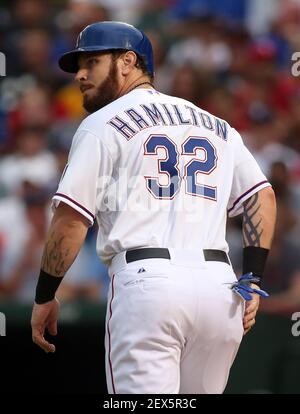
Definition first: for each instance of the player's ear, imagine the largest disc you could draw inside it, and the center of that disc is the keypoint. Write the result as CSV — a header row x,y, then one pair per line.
x,y
129,60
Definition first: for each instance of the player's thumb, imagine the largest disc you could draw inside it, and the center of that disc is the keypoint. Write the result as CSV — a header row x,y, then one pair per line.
x,y
52,328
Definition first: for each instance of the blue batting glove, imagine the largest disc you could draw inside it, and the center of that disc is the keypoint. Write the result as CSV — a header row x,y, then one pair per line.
x,y
242,287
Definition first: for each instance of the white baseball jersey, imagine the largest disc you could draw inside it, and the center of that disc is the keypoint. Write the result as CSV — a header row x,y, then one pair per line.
x,y
157,171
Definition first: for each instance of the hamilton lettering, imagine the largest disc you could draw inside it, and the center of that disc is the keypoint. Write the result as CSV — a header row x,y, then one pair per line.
x,y
166,115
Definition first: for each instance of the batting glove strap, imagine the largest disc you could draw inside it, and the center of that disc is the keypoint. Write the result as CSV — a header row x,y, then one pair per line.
x,y
242,287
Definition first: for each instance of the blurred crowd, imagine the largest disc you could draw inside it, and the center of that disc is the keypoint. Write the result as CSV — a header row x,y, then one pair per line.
x,y
230,57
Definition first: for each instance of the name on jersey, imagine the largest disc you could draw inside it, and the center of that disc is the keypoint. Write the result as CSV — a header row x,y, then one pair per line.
x,y
142,117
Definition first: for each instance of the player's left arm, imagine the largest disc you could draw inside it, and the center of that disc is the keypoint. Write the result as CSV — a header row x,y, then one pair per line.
x,y
65,237
258,228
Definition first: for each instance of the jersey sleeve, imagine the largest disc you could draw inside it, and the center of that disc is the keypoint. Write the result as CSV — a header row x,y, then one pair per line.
x,y
247,177
79,185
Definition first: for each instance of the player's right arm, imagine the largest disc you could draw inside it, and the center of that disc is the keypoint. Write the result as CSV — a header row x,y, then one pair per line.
x,y
258,228
253,197
65,237
259,219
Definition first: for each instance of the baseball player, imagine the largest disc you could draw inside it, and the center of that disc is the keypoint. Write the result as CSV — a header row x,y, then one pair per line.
x,y
160,176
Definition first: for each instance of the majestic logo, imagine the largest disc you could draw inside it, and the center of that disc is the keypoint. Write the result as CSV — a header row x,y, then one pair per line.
x,y
2,64
2,324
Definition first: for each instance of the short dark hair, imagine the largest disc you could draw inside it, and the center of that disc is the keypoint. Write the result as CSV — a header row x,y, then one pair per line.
x,y
140,64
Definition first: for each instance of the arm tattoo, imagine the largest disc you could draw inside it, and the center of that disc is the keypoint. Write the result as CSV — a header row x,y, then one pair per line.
x,y
252,230
55,256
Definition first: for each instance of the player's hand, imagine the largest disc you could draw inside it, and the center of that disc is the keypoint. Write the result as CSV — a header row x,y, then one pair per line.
x,y
43,317
250,311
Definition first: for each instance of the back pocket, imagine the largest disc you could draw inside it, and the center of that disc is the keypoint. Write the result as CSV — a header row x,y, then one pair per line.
x,y
141,275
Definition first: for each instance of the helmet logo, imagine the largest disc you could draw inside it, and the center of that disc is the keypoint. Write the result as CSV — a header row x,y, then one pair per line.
x,y
78,40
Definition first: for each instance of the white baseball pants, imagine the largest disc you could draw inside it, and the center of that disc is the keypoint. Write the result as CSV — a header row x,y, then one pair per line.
x,y
172,326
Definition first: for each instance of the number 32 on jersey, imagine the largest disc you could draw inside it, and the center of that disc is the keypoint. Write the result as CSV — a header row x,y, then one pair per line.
x,y
170,166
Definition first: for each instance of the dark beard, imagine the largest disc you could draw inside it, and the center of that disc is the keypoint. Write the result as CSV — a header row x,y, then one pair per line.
x,y
105,94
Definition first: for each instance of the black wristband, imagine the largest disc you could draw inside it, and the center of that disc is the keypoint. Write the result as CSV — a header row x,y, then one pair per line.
x,y
254,260
46,287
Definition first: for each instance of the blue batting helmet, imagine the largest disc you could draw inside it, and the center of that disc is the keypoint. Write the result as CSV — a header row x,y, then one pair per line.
x,y
109,36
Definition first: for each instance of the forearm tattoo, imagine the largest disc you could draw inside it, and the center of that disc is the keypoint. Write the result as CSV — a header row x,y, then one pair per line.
x,y
55,257
252,230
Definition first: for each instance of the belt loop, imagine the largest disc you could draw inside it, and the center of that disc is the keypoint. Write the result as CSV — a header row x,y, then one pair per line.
x,y
118,263
190,258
